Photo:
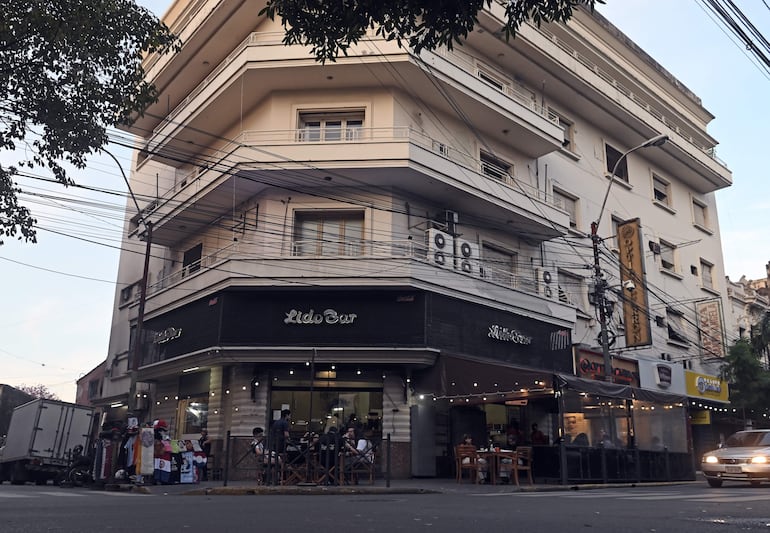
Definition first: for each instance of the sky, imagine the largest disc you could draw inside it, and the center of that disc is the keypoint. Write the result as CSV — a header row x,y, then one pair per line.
x,y
58,294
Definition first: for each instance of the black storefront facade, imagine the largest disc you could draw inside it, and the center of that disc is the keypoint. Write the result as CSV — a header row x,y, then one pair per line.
x,y
378,354
419,366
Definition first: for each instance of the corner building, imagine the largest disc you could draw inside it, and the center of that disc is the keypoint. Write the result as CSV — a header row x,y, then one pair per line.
x,y
401,240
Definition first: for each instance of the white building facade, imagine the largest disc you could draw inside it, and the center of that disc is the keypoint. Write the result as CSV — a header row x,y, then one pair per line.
x,y
403,242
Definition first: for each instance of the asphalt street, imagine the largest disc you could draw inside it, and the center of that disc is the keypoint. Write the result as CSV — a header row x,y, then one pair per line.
x,y
632,509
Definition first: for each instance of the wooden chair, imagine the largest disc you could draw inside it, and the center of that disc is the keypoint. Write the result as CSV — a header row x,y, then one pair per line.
x,y
523,462
467,458
365,465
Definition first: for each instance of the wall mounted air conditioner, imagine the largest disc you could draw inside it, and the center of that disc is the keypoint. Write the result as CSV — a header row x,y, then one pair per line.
x,y
545,283
440,247
467,255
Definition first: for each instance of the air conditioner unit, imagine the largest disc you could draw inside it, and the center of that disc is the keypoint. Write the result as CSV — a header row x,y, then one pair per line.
x,y
467,257
440,247
545,285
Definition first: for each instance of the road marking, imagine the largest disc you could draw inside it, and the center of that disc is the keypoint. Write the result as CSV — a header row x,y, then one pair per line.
x,y
10,495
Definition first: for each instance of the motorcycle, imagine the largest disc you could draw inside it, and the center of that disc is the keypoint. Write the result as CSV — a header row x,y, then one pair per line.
x,y
78,473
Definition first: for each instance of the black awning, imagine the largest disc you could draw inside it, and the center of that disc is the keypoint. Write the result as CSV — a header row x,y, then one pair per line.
x,y
453,376
614,390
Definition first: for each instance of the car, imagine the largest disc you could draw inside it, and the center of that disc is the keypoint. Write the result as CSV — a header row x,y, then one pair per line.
x,y
745,456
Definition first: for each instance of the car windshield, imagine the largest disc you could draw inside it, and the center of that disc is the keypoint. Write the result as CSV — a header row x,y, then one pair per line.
x,y
748,438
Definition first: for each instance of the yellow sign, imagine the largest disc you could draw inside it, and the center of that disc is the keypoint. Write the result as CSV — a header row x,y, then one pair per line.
x,y
706,387
700,418
635,313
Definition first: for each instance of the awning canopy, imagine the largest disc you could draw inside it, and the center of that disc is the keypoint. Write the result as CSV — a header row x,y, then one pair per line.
x,y
614,390
455,376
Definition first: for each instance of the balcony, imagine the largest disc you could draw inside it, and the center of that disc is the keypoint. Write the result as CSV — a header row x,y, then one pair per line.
x,y
404,262
427,167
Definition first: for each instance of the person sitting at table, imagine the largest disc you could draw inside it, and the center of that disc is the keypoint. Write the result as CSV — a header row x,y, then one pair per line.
x,y
513,434
537,437
483,466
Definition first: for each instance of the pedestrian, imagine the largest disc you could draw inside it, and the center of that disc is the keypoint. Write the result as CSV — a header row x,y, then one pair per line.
x,y
205,443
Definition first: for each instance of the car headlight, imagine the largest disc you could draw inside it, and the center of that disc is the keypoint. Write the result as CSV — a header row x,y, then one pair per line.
x,y
710,459
759,460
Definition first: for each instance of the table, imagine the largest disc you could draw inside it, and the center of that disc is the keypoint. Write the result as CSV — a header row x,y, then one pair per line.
x,y
494,460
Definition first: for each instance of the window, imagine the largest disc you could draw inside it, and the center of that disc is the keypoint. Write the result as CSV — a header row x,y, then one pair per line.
x,y
706,274
331,126
572,290
191,262
667,256
441,148
491,79
615,240
94,388
674,321
500,266
567,203
700,214
127,293
567,129
613,156
494,167
661,191
329,233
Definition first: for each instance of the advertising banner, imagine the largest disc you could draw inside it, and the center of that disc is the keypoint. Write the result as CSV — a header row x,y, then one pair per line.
x,y
712,338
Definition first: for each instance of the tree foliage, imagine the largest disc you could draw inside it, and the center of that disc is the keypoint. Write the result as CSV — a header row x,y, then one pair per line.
x,y
330,27
71,69
749,380
38,391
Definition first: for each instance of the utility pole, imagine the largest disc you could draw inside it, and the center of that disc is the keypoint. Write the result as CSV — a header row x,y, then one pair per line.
x,y
600,283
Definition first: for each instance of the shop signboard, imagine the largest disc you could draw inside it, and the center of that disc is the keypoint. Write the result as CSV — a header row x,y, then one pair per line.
x,y
590,365
706,387
663,376
700,417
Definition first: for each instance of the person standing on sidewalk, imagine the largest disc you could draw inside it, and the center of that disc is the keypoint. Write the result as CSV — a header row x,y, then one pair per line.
x,y
205,443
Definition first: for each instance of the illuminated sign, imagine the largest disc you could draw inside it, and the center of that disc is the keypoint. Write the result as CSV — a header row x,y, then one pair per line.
x,y
706,387
329,316
635,313
501,333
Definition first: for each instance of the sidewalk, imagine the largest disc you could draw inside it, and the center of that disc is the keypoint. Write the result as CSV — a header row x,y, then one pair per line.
x,y
397,486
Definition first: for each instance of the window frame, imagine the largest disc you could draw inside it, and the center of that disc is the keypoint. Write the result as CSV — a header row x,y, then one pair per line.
x,y
564,199
707,266
699,206
494,167
490,269
610,160
667,201
675,328
346,245
665,245
347,127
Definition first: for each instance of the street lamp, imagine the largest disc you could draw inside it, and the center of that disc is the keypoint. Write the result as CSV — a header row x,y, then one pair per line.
x,y
600,284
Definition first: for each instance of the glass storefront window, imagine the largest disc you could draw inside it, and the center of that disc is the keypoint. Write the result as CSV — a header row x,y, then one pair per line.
x,y
193,414
330,408
658,426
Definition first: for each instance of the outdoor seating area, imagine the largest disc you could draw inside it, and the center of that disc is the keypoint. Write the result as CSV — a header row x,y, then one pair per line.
x,y
493,465
322,464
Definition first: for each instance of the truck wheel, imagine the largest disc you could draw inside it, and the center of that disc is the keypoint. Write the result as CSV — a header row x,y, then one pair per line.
x,y
18,474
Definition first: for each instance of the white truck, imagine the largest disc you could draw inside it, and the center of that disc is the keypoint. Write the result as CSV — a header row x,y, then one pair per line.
x,y
40,440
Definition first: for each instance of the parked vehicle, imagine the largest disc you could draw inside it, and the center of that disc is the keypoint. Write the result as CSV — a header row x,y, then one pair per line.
x,y
745,456
41,438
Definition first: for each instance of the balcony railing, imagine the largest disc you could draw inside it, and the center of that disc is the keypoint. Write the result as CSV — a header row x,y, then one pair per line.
x,y
267,138
521,280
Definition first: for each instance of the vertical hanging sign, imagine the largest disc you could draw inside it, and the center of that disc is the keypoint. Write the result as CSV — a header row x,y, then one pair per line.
x,y
710,327
635,308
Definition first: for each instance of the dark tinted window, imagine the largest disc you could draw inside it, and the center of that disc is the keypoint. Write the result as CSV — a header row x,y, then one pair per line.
x,y
749,438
